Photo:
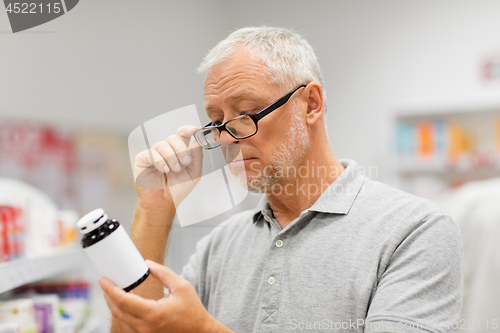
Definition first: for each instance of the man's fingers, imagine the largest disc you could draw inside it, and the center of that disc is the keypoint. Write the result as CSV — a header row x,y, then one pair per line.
x,y
168,154
143,161
180,148
123,323
186,132
127,318
169,157
165,275
128,303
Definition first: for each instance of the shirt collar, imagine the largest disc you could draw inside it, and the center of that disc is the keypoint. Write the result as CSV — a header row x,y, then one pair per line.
x,y
336,199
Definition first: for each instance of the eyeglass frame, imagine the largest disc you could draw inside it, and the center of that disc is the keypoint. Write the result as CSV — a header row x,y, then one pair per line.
x,y
255,116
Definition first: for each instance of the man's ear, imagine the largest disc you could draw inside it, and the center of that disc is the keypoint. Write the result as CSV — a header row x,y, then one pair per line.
x,y
314,94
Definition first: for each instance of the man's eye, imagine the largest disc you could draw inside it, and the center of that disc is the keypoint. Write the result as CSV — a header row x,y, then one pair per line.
x,y
216,122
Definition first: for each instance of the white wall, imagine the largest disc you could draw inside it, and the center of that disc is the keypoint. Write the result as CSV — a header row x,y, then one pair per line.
x,y
109,64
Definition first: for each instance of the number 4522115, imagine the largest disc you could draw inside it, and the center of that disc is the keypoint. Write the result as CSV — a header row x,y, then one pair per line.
x,y
33,8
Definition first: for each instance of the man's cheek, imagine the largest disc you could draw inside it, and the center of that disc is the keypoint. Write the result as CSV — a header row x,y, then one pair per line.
x,y
255,167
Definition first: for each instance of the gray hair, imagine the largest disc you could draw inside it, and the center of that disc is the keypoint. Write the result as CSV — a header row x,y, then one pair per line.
x,y
289,59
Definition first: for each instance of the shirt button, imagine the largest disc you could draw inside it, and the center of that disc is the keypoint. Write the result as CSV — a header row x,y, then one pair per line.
x,y
271,280
279,243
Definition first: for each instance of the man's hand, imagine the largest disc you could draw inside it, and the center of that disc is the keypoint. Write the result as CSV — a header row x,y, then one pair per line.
x,y
180,311
165,174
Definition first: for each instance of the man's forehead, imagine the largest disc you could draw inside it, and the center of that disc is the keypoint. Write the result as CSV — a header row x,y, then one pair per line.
x,y
231,98
244,92
242,77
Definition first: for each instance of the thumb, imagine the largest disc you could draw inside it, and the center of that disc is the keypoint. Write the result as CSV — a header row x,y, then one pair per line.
x,y
165,275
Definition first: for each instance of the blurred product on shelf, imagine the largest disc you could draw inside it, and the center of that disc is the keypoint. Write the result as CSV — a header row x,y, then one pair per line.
x,y
440,150
67,220
42,156
78,168
30,224
60,168
17,314
445,145
491,67
11,232
49,307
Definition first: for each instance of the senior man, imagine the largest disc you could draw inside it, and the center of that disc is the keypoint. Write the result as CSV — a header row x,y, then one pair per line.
x,y
325,250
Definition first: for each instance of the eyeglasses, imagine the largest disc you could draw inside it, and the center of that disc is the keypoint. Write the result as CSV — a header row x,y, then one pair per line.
x,y
240,127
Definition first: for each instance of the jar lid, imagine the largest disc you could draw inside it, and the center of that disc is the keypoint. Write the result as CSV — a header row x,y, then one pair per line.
x,y
92,221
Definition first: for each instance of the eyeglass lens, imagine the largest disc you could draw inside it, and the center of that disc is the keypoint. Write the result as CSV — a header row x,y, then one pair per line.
x,y
208,137
240,127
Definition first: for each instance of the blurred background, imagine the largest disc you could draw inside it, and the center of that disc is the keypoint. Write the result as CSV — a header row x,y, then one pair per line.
x,y
413,92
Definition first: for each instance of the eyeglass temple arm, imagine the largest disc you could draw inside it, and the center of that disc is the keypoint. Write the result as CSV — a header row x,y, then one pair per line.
x,y
276,104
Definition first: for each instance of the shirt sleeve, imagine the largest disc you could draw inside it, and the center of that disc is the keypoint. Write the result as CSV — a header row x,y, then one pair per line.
x,y
421,287
196,268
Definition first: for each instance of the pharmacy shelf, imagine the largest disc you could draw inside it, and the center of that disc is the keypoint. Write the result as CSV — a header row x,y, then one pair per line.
x,y
420,170
18,272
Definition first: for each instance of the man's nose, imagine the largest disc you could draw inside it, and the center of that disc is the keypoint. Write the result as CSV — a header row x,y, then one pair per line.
x,y
226,138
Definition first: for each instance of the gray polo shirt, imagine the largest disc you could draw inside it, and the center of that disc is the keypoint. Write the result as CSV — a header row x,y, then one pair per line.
x,y
365,257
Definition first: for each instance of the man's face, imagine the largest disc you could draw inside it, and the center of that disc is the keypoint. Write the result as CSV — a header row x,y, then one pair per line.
x,y
240,85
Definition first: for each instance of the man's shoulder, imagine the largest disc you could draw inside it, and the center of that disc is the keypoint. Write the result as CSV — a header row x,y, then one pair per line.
x,y
384,196
398,209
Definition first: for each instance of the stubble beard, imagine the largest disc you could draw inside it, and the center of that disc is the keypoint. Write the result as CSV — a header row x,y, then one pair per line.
x,y
291,150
